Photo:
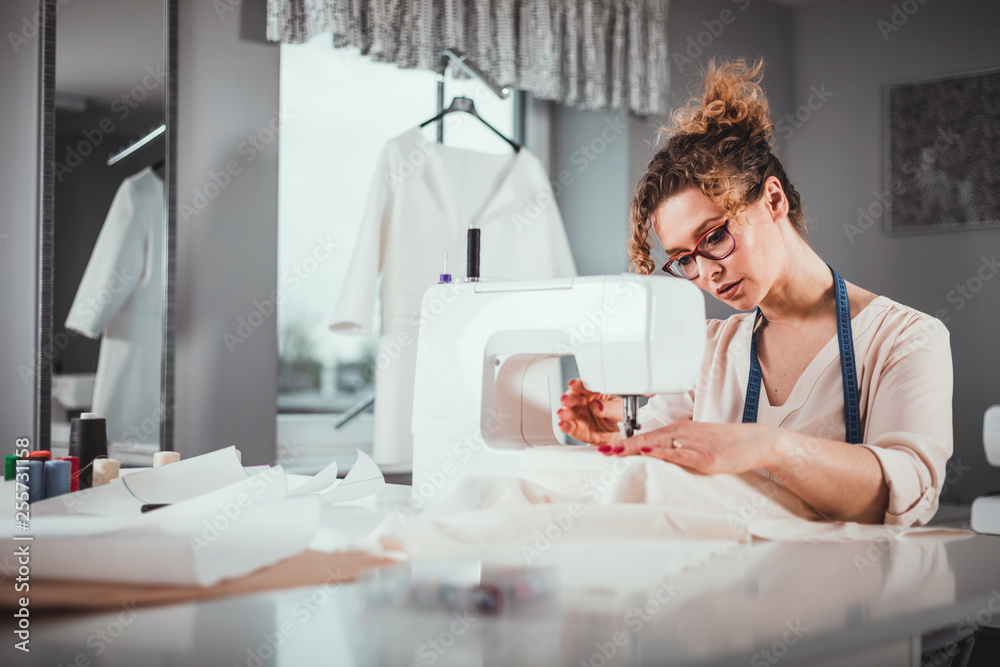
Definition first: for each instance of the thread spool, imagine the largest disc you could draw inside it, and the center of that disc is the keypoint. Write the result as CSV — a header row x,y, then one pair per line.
x,y
106,470
10,467
74,474
36,479
472,254
88,439
57,474
41,455
163,458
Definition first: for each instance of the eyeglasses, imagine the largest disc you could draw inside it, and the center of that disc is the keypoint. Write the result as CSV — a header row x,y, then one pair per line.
x,y
717,243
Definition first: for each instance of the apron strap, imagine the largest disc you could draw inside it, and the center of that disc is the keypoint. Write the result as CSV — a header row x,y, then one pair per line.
x,y
848,368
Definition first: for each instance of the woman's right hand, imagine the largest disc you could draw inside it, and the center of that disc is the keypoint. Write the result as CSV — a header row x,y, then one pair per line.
x,y
588,416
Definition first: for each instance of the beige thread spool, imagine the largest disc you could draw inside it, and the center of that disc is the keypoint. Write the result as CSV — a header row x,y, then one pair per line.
x,y
163,458
106,470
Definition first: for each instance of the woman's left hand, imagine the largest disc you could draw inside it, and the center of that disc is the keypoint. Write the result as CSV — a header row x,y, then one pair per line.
x,y
705,447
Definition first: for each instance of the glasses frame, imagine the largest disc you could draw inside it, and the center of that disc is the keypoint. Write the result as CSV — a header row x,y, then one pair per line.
x,y
696,253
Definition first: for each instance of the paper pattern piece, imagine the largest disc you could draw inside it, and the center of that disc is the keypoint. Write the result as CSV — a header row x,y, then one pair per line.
x,y
222,521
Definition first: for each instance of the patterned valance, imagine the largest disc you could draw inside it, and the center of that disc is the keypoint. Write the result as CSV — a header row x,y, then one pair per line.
x,y
589,54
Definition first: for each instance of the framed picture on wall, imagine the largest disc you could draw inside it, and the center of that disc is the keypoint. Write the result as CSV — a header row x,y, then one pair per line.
x,y
943,153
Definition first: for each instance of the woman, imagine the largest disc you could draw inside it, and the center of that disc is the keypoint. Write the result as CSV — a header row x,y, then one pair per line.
x,y
853,403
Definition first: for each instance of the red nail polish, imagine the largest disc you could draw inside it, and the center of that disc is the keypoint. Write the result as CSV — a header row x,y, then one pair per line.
x,y
619,450
645,450
604,448
600,406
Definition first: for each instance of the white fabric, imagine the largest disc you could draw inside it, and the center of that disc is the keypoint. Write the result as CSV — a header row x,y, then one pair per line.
x,y
121,295
904,374
574,502
423,199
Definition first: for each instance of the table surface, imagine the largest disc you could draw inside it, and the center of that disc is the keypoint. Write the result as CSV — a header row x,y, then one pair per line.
x,y
803,600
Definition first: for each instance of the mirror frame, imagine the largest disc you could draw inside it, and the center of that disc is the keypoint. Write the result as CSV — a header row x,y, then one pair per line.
x,y
43,379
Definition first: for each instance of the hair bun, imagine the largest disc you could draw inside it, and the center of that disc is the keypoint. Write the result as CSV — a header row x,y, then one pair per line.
x,y
733,103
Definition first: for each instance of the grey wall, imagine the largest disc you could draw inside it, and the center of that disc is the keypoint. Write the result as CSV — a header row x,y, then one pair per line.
x,y
227,234
19,184
835,160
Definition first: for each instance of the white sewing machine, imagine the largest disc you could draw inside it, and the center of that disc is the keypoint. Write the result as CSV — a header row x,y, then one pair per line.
x,y
488,379
986,509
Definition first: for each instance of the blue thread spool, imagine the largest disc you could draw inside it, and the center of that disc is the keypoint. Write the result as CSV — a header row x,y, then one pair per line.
x,y
57,474
36,479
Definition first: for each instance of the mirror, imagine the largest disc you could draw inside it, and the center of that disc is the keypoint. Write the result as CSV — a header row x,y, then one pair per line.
x,y
112,224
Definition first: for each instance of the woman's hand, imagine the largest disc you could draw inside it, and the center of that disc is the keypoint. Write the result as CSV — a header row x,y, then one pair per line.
x,y
705,447
590,417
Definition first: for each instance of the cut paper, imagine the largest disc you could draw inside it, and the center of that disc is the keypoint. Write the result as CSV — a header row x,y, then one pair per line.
x,y
262,534
322,480
171,483
220,521
225,533
362,480
188,478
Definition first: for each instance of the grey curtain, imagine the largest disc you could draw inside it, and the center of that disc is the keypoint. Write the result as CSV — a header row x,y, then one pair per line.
x,y
589,54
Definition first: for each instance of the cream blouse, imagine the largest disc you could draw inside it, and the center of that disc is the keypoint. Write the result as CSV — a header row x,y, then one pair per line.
x,y
904,367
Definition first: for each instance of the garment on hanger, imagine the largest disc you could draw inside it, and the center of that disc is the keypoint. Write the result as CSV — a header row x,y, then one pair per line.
x,y
121,295
423,199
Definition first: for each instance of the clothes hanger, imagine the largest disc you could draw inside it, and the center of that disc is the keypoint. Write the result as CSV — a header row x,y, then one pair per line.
x,y
468,106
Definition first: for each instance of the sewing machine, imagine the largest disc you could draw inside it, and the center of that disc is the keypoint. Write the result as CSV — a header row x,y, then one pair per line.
x,y
488,377
986,509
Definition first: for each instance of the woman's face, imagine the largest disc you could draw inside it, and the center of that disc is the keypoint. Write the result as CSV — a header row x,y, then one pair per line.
x,y
743,278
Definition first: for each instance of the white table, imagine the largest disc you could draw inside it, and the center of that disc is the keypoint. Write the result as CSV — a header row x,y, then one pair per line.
x,y
816,604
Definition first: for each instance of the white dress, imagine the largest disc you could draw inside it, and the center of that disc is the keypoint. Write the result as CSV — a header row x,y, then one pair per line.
x,y
121,295
423,199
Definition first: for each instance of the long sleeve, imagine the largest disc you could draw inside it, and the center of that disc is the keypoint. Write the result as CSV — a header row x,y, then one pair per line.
x,y
355,306
909,424
114,269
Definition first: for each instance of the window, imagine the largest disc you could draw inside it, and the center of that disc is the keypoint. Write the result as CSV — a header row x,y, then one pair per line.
x,y
339,109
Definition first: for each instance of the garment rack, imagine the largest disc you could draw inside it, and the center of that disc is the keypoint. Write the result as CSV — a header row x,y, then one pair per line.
x,y
464,63
125,152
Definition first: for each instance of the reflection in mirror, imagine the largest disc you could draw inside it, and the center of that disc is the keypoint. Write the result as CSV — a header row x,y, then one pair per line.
x,y
109,220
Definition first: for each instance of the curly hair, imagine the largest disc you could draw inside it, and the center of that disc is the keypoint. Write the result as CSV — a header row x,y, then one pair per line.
x,y
719,144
